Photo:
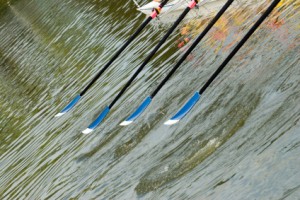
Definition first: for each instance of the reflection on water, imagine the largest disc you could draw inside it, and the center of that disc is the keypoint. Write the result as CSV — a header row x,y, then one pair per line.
x,y
240,142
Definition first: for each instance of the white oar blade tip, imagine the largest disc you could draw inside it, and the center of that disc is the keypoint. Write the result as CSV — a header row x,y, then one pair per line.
x,y
171,122
126,123
87,131
59,114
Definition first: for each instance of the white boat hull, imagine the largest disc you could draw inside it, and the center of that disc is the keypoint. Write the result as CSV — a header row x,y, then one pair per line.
x,y
148,8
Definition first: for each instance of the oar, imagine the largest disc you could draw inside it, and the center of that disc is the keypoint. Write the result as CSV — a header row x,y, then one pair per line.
x,y
191,5
190,104
148,100
116,55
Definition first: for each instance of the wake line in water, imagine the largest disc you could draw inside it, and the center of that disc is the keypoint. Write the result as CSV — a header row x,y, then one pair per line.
x,y
20,17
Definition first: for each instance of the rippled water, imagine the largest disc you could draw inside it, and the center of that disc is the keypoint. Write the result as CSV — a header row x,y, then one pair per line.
x,y
242,141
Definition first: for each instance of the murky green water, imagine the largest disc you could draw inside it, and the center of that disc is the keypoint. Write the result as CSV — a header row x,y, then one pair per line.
x,y
242,141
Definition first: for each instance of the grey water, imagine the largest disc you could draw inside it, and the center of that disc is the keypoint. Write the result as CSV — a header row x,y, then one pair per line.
x,y
241,140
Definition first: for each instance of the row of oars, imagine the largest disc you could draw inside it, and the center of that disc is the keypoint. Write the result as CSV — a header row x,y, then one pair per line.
x,y
195,98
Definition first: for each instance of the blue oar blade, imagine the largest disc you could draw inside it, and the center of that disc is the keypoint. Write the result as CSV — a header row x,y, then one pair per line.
x,y
69,106
184,110
138,112
97,121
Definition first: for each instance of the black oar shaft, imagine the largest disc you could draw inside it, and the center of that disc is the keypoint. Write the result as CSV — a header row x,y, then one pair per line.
x,y
199,38
116,55
162,41
163,3
241,43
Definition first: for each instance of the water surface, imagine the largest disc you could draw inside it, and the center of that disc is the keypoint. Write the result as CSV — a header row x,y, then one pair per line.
x,y
241,141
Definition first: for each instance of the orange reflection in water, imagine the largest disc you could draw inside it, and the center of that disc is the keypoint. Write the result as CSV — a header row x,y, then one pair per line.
x,y
231,26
